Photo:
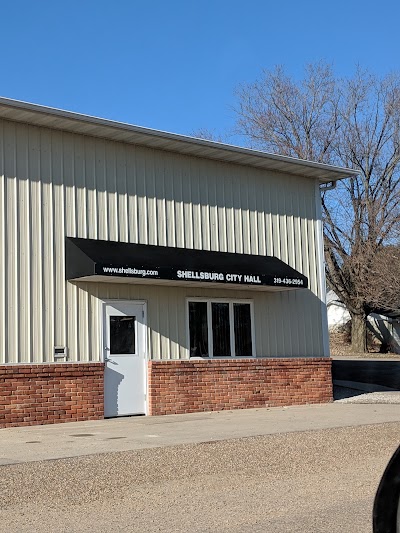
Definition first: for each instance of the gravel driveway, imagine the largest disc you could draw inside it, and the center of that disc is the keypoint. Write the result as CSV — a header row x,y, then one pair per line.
x,y
314,481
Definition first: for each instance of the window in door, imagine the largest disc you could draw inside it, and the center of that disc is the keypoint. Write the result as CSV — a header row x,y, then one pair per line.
x,y
122,334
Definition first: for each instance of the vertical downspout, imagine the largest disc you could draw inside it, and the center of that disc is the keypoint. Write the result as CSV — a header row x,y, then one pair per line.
x,y
321,266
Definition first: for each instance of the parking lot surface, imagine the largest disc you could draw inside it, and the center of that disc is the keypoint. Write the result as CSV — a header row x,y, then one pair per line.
x,y
309,481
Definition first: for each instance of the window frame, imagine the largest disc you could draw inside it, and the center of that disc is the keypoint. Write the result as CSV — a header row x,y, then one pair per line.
x,y
230,301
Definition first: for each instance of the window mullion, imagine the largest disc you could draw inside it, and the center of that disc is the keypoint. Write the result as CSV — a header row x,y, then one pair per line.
x,y
210,336
232,330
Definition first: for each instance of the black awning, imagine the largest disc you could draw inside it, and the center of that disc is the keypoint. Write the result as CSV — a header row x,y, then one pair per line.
x,y
87,258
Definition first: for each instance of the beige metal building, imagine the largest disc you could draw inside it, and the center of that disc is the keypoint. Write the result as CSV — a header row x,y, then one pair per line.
x,y
147,272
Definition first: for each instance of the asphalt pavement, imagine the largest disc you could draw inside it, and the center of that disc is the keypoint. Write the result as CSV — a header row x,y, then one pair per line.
x,y
320,481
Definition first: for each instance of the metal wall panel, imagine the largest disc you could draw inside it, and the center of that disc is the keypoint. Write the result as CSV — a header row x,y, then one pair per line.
x,y
54,184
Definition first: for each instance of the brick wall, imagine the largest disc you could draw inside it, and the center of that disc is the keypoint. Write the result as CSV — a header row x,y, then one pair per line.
x,y
50,393
192,386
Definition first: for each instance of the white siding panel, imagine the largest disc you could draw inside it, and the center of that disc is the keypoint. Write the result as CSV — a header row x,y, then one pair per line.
x,y
55,184
187,206
111,190
24,256
3,293
101,192
11,242
90,178
161,203
36,273
122,198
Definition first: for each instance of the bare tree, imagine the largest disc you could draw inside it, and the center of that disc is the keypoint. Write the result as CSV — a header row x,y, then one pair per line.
x,y
209,135
299,119
353,122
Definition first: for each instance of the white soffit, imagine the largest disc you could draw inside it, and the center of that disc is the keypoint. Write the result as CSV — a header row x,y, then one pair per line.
x,y
118,131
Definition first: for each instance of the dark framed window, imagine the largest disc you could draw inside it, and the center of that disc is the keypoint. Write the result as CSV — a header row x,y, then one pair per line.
x,y
122,334
198,329
220,328
242,329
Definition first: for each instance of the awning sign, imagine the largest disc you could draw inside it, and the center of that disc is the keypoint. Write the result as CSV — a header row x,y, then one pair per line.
x,y
198,275
86,258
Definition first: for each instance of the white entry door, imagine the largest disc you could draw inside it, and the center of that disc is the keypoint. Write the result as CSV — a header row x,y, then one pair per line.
x,y
124,355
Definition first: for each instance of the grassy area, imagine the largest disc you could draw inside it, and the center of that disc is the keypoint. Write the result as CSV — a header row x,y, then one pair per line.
x,y
340,345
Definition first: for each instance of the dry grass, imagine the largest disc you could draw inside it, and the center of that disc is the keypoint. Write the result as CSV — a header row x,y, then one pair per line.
x,y
340,345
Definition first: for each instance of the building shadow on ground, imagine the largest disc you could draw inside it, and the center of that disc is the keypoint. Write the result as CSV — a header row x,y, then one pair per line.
x,y
341,393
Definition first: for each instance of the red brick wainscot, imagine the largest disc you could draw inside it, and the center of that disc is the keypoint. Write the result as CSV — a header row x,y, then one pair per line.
x,y
212,385
50,393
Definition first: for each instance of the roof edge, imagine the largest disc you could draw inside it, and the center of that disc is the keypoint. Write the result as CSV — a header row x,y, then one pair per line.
x,y
25,112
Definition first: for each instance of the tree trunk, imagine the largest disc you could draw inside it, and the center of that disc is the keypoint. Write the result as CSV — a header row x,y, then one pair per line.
x,y
359,333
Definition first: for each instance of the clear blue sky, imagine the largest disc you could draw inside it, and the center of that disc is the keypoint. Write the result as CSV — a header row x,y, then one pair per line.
x,y
174,65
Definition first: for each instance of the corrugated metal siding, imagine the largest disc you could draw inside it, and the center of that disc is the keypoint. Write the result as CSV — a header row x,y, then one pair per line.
x,y
279,318
54,184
